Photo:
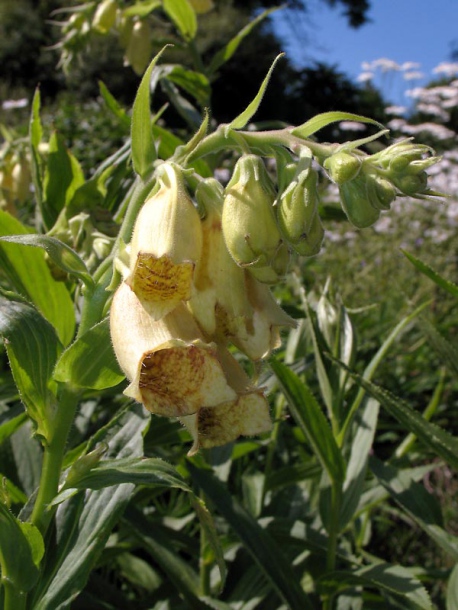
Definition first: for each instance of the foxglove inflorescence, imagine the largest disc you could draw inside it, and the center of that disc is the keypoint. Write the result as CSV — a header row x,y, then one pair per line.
x,y
198,270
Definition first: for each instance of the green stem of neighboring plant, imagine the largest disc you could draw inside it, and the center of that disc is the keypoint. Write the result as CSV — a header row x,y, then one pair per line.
x,y
333,534
52,459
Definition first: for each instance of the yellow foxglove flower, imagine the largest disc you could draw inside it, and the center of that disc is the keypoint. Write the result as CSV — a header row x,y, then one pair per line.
x,y
173,372
219,302
166,244
263,329
247,415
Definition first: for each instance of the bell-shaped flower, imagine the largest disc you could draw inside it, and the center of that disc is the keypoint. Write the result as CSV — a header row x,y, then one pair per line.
x,y
219,302
263,328
165,246
247,415
172,370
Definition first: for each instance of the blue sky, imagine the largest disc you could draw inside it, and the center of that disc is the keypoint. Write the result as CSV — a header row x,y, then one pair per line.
x,y
419,31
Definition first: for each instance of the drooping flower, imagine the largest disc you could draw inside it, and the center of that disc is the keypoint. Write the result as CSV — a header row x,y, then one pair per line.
x,y
165,246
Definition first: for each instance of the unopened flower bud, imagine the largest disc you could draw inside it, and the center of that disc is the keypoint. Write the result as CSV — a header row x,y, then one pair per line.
x,y
355,203
21,180
298,216
249,226
342,166
411,184
105,16
380,191
202,6
166,244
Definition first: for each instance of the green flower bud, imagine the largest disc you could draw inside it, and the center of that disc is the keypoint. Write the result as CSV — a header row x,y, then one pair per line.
x,y
298,216
355,203
342,167
105,16
311,243
380,191
411,184
248,221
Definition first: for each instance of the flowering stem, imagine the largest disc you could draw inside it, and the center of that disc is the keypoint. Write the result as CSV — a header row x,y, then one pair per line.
x,y
52,459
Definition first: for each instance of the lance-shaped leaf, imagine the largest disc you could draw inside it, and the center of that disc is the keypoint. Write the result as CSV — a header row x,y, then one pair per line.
x,y
64,256
21,550
311,420
35,135
28,274
90,361
143,146
452,590
84,522
417,502
183,16
152,472
33,348
440,281
262,547
433,436
224,54
63,175
242,119
326,118
113,105
393,579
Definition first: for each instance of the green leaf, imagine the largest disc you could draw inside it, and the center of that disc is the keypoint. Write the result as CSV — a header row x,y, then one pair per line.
x,y
90,361
441,442
417,502
211,535
21,549
183,16
113,105
194,83
35,136
440,281
156,543
151,472
183,106
224,54
64,257
63,175
393,579
311,420
85,521
265,552
142,9
10,421
326,118
446,350
361,445
143,146
29,275
452,590
242,119
33,348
